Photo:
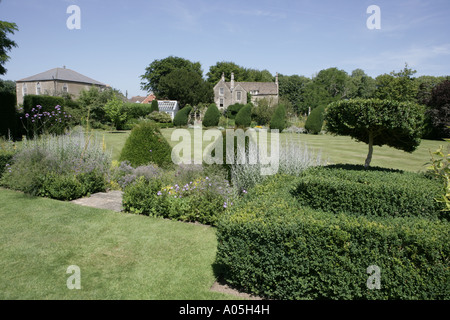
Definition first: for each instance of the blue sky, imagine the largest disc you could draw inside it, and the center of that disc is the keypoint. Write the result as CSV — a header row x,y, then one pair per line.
x,y
119,39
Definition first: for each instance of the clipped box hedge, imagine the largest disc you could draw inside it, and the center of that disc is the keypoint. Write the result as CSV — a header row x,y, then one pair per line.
x,y
271,246
374,192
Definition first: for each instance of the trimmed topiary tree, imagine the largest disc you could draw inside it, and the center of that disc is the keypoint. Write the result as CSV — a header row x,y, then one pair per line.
x,y
154,106
314,122
244,117
377,123
212,116
182,117
147,145
278,120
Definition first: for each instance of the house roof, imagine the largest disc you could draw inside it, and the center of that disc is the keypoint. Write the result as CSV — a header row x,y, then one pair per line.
x,y
137,99
263,88
167,105
61,74
149,98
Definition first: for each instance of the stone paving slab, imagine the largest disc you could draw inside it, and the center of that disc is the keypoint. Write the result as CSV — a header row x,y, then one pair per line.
x,y
111,200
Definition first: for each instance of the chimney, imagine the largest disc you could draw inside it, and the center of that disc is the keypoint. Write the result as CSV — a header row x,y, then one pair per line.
x,y
223,76
276,82
232,81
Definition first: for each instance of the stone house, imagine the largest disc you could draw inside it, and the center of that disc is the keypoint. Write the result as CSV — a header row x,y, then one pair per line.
x,y
228,93
55,81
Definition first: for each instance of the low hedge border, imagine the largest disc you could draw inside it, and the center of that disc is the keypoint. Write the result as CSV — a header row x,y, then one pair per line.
x,y
374,192
271,246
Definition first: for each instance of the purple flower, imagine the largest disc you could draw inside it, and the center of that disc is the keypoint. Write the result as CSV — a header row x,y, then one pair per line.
x,y
159,193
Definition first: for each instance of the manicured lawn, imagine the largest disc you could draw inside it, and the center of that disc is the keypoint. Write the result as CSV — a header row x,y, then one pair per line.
x,y
341,149
334,149
120,256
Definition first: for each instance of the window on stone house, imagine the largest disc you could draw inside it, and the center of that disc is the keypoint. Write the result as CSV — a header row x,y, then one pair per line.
x,y
239,95
38,88
221,103
65,88
24,89
221,91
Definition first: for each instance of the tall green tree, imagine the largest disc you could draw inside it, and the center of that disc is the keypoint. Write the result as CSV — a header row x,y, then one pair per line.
x,y
377,123
360,85
187,87
6,44
114,111
158,69
438,111
398,86
241,74
292,88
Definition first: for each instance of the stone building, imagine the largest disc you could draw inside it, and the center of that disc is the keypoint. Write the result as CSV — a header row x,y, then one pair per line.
x,y
55,81
228,93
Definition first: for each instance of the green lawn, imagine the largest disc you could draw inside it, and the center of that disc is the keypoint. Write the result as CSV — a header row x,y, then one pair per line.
x,y
334,149
341,149
120,256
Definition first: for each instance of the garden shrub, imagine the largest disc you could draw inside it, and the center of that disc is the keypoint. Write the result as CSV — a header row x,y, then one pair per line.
x,y
154,107
278,120
314,122
201,200
8,115
7,152
212,116
135,111
47,103
271,246
160,117
182,117
244,117
62,167
233,110
374,192
146,145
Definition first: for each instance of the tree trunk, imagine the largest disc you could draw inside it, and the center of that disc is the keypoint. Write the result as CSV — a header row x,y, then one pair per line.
x,y
369,155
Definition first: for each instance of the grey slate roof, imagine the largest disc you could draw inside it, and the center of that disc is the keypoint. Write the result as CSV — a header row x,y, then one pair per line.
x,y
61,74
269,88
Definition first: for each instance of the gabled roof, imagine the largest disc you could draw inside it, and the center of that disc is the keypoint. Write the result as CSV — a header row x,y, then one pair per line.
x,y
263,88
62,74
149,98
167,105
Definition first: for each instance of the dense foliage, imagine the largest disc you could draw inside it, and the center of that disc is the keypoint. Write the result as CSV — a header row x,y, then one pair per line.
x,y
278,120
272,246
244,117
314,122
146,145
182,117
377,123
212,116
374,192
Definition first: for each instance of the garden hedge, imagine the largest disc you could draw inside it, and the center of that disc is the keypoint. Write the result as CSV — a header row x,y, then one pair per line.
x,y
372,192
8,115
271,246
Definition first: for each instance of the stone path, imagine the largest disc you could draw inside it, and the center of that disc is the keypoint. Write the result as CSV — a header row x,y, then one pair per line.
x,y
105,200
